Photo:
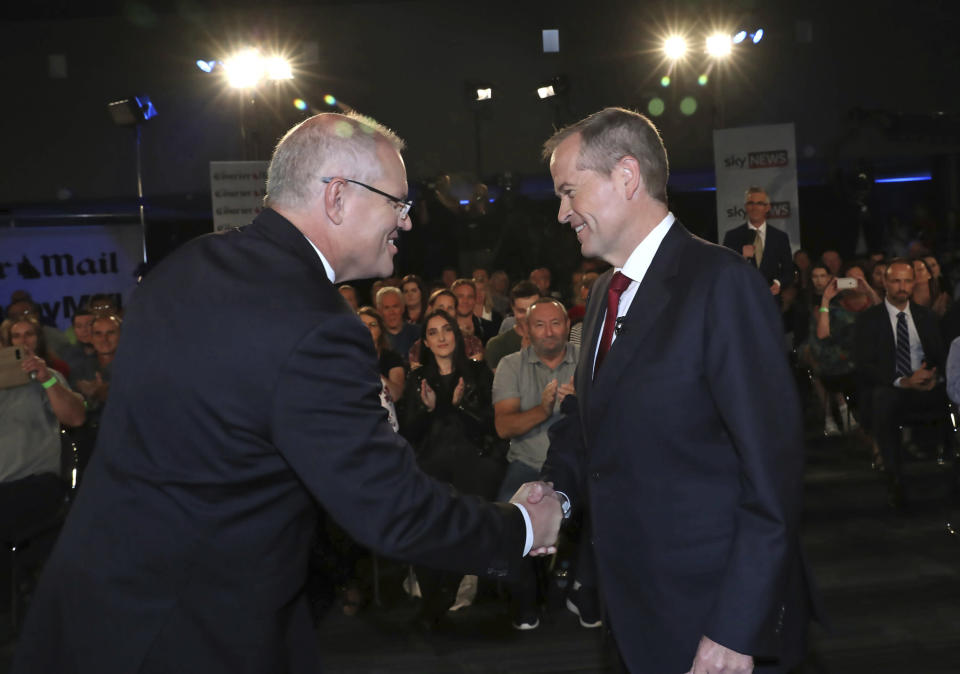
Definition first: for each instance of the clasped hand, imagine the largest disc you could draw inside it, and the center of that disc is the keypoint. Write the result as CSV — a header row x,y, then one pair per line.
x,y
543,506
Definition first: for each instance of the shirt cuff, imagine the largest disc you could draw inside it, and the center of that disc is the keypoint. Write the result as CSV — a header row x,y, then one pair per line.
x,y
528,543
898,382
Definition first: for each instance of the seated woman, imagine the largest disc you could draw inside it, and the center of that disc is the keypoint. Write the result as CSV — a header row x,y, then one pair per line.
x,y
831,345
445,300
447,415
391,365
414,298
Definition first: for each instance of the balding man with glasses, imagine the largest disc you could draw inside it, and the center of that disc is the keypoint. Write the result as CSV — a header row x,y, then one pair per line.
x,y
187,548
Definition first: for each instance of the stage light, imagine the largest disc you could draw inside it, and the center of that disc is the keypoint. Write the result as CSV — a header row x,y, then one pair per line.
x,y
702,80
244,69
546,92
300,104
656,106
330,100
206,66
718,45
756,37
688,105
740,37
675,47
485,94
278,68
665,81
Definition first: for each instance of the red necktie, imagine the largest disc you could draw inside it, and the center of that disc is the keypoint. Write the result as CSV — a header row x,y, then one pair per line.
x,y
618,284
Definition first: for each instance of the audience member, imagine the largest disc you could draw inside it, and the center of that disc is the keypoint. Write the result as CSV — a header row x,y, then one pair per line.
x,y
543,279
31,486
349,293
522,297
400,334
447,415
898,353
927,290
82,350
527,391
23,305
27,331
499,291
483,308
444,300
767,248
832,259
953,372
391,364
581,290
414,298
877,270
471,324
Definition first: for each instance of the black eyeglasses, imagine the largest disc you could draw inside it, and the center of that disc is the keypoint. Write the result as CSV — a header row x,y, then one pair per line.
x,y
757,203
403,204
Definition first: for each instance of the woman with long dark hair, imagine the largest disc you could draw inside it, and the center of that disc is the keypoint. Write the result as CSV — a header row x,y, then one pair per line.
x,y
447,415
414,298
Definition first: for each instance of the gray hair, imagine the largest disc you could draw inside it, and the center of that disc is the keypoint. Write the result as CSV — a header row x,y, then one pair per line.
x,y
753,189
325,145
608,136
387,290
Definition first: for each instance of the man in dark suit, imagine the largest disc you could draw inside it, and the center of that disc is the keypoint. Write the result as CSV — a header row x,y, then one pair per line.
x,y
245,391
898,351
765,247
685,432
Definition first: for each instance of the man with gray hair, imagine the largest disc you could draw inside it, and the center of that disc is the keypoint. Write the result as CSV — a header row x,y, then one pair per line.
x,y
684,437
191,536
765,247
400,334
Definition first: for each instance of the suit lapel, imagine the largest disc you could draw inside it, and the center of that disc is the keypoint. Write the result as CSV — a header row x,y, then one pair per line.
x,y
646,311
590,336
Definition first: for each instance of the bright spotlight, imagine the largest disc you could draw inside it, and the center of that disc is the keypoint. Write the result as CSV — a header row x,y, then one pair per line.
x,y
740,37
244,69
719,45
675,47
757,36
485,94
546,92
278,68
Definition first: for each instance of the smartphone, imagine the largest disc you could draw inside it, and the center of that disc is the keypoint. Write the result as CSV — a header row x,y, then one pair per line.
x,y
11,374
846,283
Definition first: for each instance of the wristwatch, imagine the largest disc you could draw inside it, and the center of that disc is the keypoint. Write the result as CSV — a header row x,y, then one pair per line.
x,y
564,504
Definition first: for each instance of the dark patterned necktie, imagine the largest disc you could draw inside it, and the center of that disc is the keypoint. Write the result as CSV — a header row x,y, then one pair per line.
x,y
903,346
618,284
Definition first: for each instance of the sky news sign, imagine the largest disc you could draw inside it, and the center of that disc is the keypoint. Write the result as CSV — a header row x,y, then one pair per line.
x,y
763,156
61,267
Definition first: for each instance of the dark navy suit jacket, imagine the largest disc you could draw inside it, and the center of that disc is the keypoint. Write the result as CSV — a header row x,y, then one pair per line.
x,y
688,447
777,260
245,392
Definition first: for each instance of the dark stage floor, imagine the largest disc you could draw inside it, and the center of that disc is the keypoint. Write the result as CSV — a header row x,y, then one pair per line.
x,y
891,585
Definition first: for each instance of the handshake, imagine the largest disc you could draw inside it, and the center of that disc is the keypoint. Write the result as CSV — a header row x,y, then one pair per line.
x,y
543,505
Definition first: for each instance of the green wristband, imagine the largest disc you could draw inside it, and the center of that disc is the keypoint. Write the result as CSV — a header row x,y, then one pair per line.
x,y
824,310
52,381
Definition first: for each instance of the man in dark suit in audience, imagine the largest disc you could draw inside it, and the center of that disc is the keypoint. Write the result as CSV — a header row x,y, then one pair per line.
x,y
684,437
766,247
186,550
899,357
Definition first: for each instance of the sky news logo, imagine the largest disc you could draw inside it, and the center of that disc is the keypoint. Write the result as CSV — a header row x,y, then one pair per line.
x,y
779,210
758,160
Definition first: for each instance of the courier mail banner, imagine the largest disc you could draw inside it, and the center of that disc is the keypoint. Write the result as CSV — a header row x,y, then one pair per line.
x,y
764,156
236,190
61,267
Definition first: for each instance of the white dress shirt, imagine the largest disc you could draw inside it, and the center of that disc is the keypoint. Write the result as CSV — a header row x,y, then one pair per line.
x,y
916,348
635,268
